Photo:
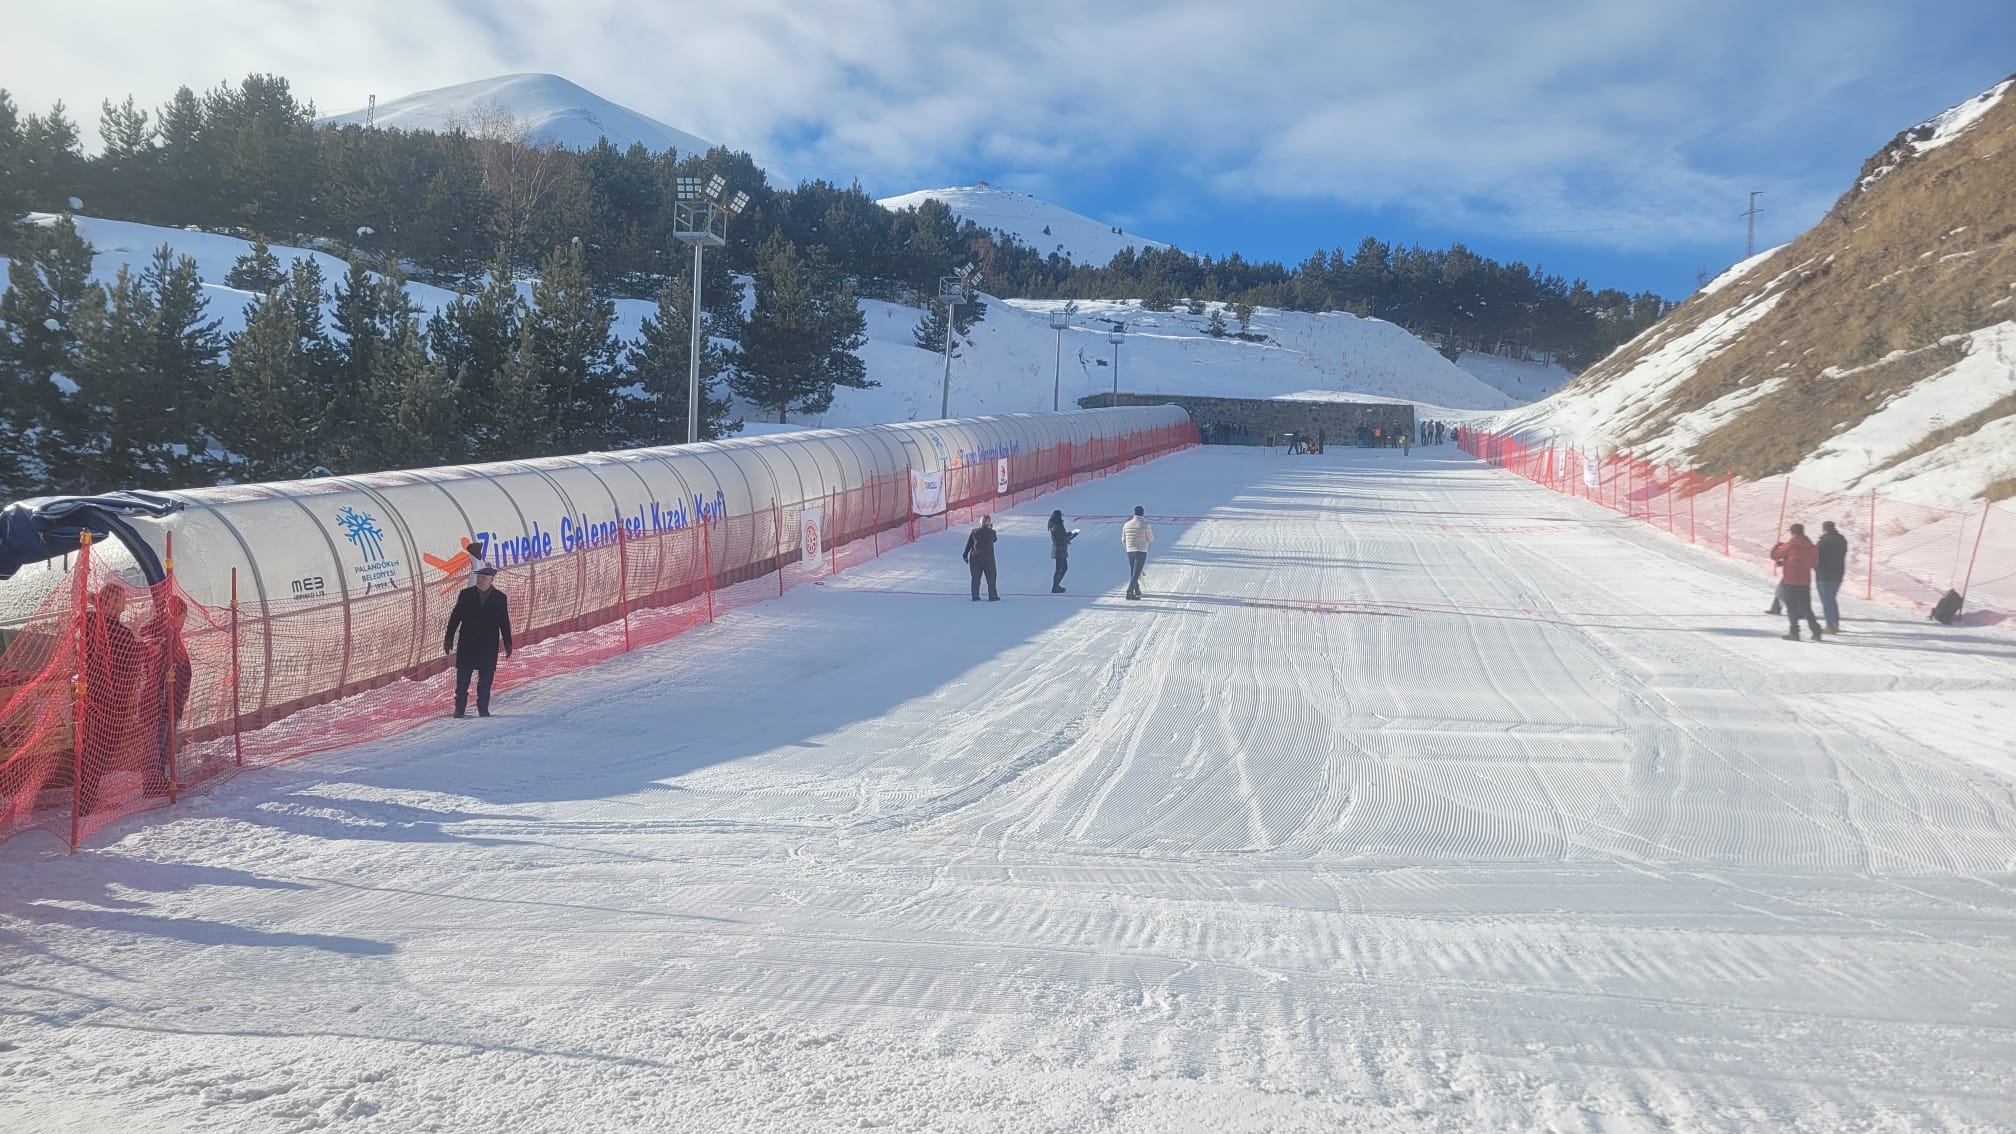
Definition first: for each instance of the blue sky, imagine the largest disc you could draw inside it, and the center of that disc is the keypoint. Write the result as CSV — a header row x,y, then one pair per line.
x,y
1609,139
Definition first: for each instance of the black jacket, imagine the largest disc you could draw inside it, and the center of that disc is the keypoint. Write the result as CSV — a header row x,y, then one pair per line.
x,y
483,618
980,546
1833,564
1060,541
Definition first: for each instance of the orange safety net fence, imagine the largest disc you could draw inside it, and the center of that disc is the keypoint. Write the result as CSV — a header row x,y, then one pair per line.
x,y
1901,553
116,698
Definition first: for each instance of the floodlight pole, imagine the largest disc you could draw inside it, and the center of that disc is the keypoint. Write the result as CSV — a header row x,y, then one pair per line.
x,y
1118,336
1058,322
951,289
693,354
700,218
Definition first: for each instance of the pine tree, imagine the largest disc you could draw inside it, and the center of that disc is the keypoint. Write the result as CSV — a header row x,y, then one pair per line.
x,y
579,360
13,174
1243,311
52,160
929,333
122,178
185,352
660,361
144,372
348,394
1216,327
801,341
473,338
48,279
523,424
269,420
257,271
423,425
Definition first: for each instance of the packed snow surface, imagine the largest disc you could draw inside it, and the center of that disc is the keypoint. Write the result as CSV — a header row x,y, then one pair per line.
x,y
548,106
1035,222
1413,797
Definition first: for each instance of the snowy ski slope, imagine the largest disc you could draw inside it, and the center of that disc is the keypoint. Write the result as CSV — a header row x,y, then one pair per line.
x,y
1414,797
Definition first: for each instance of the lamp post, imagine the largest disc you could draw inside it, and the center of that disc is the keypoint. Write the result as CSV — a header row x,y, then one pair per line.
x,y
952,291
1116,337
1059,320
700,218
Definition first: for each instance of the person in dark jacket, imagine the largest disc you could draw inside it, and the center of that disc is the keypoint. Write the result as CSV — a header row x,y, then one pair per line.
x,y
1060,550
167,688
1832,567
1797,588
115,666
979,557
483,614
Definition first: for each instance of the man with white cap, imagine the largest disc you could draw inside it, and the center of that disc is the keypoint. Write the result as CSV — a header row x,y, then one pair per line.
x,y
483,615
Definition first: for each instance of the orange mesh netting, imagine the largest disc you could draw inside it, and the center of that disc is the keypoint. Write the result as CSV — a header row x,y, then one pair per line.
x,y
1904,554
116,698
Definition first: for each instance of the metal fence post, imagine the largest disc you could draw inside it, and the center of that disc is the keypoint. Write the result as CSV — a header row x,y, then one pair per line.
x,y
80,684
237,682
623,576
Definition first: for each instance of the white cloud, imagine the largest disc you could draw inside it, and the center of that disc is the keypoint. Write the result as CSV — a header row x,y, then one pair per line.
x,y
1508,116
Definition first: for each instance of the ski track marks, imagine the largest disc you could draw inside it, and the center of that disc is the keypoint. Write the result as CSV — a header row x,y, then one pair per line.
x,y
1412,797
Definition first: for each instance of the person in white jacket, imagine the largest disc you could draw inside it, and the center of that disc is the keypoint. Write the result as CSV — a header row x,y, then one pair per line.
x,y
1135,536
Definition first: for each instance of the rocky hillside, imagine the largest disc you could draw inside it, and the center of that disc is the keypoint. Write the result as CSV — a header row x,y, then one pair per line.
x,y
1875,351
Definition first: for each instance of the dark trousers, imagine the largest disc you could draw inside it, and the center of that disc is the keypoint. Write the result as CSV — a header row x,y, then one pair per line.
x,y
1799,607
1777,600
1136,561
485,671
1057,576
1830,600
983,571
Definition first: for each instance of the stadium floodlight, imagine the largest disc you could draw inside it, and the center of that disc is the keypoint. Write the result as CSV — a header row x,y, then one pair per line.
x,y
951,289
1059,319
701,220
1117,336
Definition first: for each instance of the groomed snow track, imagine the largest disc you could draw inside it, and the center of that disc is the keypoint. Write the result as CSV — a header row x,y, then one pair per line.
x,y
1412,797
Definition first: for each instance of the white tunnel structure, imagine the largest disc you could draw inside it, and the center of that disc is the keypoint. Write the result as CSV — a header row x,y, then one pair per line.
x,y
372,545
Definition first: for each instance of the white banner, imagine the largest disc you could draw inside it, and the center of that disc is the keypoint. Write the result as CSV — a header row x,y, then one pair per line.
x,y
1001,477
927,493
811,534
1592,471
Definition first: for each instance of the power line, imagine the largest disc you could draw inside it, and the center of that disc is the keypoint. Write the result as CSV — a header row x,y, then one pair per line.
x,y
1750,241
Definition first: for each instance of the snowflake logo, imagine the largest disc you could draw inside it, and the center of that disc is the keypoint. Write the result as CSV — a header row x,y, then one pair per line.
x,y
361,529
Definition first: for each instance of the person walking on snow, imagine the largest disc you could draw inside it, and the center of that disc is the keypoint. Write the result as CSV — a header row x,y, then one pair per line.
x,y
1797,587
979,557
1135,536
483,614
1828,572
1060,550
1405,435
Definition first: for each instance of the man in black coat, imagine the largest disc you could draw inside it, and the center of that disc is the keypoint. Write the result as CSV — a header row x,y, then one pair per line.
x,y
1828,573
979,556
483,614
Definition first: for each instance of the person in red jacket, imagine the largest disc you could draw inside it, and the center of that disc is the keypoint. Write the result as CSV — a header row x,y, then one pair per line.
x,y
1796,586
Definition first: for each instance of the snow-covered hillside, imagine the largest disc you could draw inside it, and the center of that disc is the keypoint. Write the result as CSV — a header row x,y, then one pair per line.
x,y
1518,380
125,244
1041,225
1010,363
1875,352
549,106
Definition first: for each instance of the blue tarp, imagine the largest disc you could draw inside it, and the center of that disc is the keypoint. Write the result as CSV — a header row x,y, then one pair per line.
x,y
34,530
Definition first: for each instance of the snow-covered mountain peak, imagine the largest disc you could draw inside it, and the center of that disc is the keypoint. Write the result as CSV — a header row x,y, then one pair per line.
x,y
548,106
1041,225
